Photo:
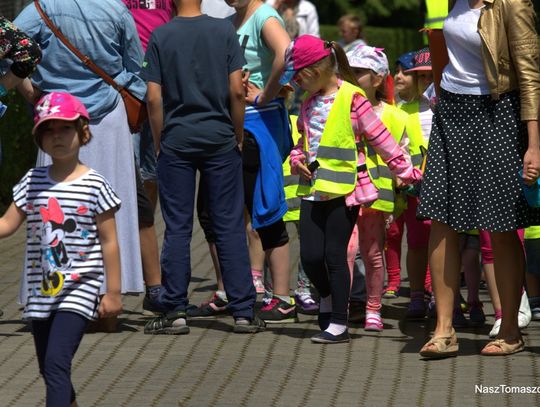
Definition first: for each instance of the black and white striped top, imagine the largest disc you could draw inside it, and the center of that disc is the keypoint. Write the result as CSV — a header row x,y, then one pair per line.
x,y
64,258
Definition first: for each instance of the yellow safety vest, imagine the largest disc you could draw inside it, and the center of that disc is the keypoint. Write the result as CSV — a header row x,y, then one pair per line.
x,y
414,131
395,120
532,232
436,12
291,182
337,154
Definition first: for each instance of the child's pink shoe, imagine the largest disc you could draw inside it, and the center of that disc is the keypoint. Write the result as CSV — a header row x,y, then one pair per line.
x,y
373,322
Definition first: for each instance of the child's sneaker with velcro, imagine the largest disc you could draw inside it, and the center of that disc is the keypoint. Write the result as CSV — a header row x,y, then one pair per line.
x,y
373,322
208,309
172,323
279,312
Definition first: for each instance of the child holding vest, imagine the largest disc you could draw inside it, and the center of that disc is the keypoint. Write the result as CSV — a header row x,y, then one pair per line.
x,y
370,67
337,123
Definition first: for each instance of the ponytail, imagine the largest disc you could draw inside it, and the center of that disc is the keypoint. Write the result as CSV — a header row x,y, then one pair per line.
x,y
343,67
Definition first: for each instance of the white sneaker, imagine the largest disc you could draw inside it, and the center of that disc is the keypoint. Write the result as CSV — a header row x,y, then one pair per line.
x,y
535,314
524,315
496,328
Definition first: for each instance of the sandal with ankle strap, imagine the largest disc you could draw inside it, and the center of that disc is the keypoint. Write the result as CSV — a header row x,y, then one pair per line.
x,y
441,347
504,348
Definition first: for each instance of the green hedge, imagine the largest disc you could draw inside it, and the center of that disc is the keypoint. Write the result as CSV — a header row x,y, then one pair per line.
x,y
18,148
395,41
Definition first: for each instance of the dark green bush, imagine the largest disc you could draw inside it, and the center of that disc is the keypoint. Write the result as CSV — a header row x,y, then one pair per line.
x,y
395,41
18,148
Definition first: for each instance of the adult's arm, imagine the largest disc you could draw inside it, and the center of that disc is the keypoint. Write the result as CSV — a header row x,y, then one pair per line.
x,y
21,49
277,40
132,58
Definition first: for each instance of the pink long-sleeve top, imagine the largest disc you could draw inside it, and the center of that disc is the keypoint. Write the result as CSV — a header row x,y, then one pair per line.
x,y
368,128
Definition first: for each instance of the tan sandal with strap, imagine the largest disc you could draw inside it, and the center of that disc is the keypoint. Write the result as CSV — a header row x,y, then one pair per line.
x,y
504,348
441,347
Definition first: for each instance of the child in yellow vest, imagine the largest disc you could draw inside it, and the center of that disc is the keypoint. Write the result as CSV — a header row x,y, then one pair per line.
x,y
412,74
333,175
370,67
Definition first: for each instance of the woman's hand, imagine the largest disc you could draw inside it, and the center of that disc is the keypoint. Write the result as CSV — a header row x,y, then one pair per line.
x,y
252,91
110,306
531,166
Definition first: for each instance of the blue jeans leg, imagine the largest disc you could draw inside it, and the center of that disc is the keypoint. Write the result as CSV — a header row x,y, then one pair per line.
x,y
57,339
225,191
176,195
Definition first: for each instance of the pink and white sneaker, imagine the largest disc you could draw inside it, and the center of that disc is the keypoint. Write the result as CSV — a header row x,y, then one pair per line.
x,y
373,322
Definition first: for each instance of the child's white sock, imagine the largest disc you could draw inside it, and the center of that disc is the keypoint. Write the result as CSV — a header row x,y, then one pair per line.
x,y
326,304
221,295
336,329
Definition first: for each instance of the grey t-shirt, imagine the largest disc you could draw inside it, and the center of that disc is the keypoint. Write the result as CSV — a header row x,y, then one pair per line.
x,y
192,57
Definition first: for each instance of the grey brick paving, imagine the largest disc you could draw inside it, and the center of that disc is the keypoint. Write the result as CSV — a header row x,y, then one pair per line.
x,y
280,367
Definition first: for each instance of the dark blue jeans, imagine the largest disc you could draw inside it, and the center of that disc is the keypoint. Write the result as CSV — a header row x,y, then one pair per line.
x,y
223,187
57,339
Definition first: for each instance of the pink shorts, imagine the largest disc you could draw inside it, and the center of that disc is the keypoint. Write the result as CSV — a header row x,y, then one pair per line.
x,y
417,230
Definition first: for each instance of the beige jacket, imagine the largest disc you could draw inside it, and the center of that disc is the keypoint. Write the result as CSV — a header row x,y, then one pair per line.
x,y
511,55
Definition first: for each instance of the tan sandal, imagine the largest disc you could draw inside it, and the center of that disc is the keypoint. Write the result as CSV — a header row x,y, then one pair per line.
x,y
504,348
441,347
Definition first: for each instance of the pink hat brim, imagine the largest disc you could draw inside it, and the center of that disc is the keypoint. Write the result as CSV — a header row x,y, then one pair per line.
x,y
52,117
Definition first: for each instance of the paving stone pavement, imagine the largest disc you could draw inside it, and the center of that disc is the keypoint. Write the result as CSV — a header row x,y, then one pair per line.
x,y
279,367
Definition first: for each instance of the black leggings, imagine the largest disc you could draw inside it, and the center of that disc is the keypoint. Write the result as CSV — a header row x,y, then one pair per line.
x,y
325,230
274,235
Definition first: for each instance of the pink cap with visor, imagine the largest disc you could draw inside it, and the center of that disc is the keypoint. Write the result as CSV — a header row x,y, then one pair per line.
x,y
59,106
303,51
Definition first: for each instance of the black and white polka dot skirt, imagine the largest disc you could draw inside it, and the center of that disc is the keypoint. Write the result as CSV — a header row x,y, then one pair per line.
x,y
475,155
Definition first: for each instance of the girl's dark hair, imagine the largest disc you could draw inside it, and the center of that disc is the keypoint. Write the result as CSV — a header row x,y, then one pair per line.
x,y
79,126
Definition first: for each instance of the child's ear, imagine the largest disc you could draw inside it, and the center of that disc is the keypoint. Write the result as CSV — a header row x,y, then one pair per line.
x,y
85,134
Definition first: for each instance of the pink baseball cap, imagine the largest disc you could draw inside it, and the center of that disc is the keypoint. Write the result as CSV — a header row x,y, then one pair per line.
x,y
303,51
60,106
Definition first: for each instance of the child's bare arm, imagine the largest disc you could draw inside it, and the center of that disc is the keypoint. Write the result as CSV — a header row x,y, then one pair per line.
x,y
238,104
111,303
154,105
10,222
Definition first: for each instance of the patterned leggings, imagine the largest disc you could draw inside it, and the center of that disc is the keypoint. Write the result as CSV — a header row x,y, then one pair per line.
x,y
369,236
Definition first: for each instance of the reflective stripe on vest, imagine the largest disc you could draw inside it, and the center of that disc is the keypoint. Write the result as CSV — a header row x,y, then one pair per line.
x,y
436,12
290,182
337,154
414,131
379,173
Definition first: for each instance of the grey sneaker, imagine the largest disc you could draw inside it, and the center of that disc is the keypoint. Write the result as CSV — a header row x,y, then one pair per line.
x,y
248,326
172,323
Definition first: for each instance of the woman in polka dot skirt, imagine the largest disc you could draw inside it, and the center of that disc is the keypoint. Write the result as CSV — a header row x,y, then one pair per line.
x,y
485,130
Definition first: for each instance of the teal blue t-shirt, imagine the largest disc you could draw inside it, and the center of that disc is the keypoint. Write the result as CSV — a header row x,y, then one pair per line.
x,y
258,56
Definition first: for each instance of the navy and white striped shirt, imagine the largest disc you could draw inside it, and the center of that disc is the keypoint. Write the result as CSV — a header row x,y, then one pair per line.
x,y
64,257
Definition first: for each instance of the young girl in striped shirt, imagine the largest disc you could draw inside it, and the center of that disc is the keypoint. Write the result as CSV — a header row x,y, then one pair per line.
x,y
71,236
336,121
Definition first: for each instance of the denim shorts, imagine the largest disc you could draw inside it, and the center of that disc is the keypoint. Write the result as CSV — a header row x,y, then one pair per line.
x,y
145,155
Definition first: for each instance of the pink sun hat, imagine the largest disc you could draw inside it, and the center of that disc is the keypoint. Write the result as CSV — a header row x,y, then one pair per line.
x,y
303,51
60,106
